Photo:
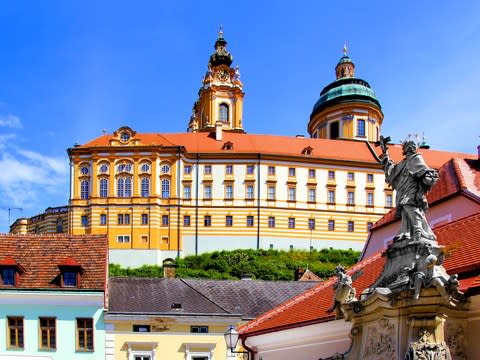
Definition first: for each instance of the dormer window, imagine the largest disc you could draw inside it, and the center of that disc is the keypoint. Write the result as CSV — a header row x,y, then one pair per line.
x,y
10,271
69,278
307,151
8,276
70,273
227,146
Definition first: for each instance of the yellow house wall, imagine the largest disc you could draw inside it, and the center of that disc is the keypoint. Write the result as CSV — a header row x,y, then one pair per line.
x,y
171,342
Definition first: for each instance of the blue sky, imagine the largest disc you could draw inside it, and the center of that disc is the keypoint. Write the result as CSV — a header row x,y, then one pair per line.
x,y
69,69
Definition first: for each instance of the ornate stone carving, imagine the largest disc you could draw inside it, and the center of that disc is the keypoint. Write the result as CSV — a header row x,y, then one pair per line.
x,y
424,349
380,341
455,342
429,272
344,292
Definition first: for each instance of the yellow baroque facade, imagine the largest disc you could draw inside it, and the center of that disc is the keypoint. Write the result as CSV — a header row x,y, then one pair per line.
x,y
161,195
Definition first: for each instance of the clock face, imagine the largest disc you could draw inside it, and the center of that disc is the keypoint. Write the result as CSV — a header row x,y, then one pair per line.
x,y
223,75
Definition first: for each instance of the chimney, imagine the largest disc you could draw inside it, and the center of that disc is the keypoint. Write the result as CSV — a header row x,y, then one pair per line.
x,y
299,273
246,276
169,268
218,130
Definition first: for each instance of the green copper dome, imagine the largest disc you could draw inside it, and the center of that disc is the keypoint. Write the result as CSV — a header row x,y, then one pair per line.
x,y
345,90
345,59
221,54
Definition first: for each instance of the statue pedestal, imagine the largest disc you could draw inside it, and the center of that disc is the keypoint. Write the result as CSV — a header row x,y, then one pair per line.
x,y
413,310
387,326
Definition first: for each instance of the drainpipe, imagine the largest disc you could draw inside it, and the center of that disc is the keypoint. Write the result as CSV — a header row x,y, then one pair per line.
x,y
258,202
196,205
178,202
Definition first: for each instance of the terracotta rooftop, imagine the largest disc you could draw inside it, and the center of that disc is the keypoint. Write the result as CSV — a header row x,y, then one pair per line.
x,y
205,143
248,298
456,176
461,239
41,256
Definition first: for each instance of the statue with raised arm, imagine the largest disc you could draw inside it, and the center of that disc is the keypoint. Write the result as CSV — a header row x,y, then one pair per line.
x,y
412,179
344,292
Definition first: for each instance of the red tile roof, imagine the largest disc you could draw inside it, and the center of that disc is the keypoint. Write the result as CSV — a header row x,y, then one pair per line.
x,y
311,307
41,255
204,142
456,176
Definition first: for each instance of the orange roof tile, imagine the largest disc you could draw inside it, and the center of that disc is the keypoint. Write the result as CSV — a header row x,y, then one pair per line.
x,y
204,142
40,257
311,306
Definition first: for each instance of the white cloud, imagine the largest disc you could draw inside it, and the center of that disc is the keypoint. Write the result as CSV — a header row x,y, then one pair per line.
x,y
10,121
30,180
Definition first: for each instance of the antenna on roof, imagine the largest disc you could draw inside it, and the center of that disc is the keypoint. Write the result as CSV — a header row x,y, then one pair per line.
x,y
10,209
104,131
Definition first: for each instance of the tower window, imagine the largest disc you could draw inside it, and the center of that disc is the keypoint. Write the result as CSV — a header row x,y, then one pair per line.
x,y
361,127
334,130
223,112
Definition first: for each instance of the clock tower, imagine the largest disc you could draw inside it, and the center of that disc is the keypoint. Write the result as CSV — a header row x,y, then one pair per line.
x,y
220,99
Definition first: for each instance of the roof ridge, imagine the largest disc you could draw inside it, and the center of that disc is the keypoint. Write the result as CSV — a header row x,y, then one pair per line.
x,y
185,281
471,217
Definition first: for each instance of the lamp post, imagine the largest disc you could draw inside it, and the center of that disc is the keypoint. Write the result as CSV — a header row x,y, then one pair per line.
x,y
231,339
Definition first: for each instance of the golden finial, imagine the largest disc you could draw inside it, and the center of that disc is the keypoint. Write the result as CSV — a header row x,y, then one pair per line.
x,y
345,48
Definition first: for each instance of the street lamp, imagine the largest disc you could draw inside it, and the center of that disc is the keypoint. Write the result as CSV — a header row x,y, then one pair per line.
x,y
231,339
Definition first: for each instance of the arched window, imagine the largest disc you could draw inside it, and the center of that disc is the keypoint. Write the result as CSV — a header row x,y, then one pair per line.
x,y
124,186
223,112
165,188
84,187
103,187
145,187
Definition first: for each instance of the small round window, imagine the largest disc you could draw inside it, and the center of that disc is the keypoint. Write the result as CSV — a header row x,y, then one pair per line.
x,y
145,168
84,170
128,167
104,168
165,169
124,136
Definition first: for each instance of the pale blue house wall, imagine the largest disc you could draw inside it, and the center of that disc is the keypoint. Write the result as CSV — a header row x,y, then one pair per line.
x,y
65,308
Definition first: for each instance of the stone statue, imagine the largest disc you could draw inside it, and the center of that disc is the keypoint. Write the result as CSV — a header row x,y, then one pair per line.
x,y
344,291
429,272
412,179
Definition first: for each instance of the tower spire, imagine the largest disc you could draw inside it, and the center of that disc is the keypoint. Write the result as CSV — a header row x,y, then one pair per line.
x,y
345,67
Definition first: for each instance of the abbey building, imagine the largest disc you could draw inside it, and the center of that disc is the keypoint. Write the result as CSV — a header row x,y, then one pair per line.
x,y
160,195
